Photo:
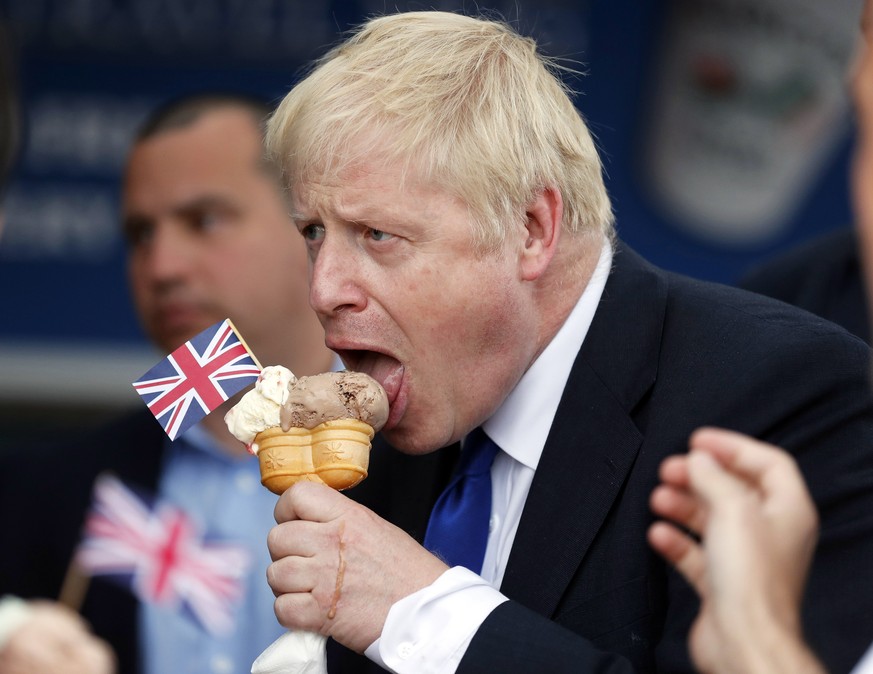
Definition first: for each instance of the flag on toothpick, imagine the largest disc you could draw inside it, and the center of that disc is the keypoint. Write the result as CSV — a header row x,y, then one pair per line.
x,y
197,377
158,553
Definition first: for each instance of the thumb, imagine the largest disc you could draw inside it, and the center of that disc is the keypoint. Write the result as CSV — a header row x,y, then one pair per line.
x,y
711,482
310,501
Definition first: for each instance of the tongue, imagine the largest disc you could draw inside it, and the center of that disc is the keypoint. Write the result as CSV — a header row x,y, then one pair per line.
x,y
384,369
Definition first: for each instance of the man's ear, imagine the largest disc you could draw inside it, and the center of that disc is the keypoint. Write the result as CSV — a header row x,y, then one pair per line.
x,y
543,225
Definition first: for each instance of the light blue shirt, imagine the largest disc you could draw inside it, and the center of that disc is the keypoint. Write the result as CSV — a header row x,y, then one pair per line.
x,y
223,494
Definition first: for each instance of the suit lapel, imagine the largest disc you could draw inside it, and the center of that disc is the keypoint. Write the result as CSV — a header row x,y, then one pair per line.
x,y
593,441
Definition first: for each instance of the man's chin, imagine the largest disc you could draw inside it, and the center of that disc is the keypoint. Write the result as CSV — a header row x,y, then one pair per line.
x,y
412,441
169,339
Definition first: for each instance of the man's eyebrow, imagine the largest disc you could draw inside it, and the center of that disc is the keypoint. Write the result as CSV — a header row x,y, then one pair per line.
x,y
363,218
204,202
201,203
131,220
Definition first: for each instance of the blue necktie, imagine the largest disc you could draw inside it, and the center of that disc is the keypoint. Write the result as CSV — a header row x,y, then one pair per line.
x,y
458,528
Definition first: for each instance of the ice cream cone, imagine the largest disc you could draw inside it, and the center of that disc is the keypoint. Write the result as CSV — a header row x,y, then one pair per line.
x,y
285,457
336,453
341,451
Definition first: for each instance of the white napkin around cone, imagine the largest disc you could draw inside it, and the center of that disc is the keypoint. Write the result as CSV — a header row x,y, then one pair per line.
x,y
294,653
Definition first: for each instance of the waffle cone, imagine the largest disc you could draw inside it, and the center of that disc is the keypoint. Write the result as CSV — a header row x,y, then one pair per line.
x,y
336,453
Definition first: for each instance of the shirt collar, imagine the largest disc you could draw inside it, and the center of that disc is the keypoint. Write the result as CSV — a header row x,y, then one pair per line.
x,y
521,424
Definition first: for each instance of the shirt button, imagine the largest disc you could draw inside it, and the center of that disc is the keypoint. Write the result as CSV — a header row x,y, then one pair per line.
x,y
246,483
221,664
493,523
404,650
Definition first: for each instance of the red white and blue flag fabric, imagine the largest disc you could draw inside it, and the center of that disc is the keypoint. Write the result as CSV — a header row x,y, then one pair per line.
x,y
197,377
158,553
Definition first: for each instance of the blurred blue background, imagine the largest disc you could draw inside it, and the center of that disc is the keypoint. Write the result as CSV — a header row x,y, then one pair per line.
x,y
724,126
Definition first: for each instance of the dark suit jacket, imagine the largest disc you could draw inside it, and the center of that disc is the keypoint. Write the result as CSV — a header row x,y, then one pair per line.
x,y
664,355
823,276
45,493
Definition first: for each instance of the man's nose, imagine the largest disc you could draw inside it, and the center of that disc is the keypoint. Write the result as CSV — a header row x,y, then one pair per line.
x,y
168,255
336,281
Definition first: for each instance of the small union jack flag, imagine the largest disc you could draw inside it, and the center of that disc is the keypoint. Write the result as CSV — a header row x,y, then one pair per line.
x,y
159,555
197,377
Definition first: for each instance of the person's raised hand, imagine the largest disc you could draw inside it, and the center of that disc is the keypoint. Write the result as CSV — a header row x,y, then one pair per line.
x,y
55,640
741,528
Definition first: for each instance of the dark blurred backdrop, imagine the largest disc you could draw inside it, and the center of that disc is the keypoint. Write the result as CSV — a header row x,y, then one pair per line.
x,y
724,125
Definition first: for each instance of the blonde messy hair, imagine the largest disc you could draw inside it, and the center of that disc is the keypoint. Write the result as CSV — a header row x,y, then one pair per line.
x,y
465,104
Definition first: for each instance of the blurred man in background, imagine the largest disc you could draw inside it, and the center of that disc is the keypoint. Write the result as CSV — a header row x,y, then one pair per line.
x,y
209,238
823,275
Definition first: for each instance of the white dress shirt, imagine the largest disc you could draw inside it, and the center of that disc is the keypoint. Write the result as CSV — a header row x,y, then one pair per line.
x,y
430,630
865,665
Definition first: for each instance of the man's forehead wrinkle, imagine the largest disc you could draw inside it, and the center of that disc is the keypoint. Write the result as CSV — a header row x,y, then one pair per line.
x,y
354,197
306,200
359,205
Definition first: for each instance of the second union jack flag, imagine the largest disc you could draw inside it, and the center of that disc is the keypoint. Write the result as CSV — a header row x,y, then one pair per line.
x,y
197,377
158,553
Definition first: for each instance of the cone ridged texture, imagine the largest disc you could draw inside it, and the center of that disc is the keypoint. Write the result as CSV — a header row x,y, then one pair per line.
x,y
335,453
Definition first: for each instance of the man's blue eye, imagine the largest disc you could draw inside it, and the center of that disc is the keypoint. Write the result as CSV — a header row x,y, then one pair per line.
x,y
379,235
313,232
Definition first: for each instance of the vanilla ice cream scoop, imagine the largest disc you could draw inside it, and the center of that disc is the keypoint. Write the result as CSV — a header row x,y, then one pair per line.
x,y
259,409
